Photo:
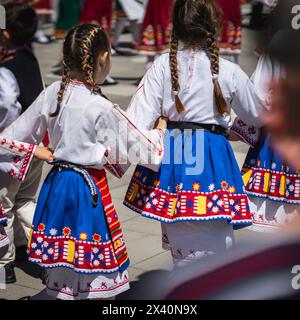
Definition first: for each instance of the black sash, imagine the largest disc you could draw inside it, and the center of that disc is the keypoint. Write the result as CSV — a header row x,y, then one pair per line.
x,y
198,126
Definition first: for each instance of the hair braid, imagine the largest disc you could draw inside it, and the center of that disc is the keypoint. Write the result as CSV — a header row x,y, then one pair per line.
x,y
82,47
64,82
88,59
174,74
213,47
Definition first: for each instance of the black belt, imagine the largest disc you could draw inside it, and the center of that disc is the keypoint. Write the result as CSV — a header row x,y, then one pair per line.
x,y
183,125
84,173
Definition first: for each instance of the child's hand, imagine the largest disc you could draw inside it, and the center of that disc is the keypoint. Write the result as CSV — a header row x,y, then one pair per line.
x,y
44,154
233,137
161,124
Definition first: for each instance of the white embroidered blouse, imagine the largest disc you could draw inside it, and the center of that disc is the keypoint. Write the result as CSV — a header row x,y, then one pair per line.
x,y
89,130
154,95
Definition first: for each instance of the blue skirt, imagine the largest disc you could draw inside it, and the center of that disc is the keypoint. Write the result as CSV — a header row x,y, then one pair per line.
x,y
199,180
266,175
70,231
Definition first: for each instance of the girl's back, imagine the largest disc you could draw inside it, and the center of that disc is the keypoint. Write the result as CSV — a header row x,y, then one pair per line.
x,y
155,94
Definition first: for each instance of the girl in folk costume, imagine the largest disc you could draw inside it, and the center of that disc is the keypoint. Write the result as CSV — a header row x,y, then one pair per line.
x,y
15,160
231,38
157,26
76,233
198,193
272,185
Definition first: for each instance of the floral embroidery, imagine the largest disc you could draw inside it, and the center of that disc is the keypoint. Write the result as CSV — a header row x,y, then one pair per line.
x,y
83,236
196,186
41,227
97,237
232,189
66,231
224,185
117,244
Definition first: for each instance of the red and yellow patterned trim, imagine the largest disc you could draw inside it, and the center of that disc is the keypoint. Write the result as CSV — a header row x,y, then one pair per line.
x,y
188,205
277,186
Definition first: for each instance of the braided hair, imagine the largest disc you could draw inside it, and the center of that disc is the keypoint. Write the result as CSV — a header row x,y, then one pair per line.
x,y
82,47
197,23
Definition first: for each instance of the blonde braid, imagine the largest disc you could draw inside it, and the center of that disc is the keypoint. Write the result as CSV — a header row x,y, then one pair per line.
x,y
64,82
87,59
174,74
214,50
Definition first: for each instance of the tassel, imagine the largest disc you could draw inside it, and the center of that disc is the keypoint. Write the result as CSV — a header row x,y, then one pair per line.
x,y
179,106
219,98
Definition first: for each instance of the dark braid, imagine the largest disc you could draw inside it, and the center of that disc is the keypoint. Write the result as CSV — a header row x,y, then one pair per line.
x,y
174,74
197,23
60,94
212,45
82,47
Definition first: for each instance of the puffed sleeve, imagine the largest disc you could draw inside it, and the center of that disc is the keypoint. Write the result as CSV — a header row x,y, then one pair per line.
x,y
146,105
31,126
126,144
15,158
10,108
246,102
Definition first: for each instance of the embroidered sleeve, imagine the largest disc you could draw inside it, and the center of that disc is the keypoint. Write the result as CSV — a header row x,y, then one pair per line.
x,y
15,158
127,144
146,105
249,134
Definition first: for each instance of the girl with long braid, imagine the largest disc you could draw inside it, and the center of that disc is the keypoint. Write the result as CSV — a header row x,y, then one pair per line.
x,y
76,234
198,192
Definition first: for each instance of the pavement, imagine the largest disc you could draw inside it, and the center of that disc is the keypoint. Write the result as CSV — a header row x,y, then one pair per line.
x,y
143,236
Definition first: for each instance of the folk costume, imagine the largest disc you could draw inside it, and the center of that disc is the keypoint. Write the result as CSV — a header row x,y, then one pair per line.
x,y
98,11
157,27
272,185
20,84
76,233
231,38
68,17
198,192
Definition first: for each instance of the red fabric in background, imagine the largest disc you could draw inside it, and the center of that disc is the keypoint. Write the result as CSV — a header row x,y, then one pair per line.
x,y
99,11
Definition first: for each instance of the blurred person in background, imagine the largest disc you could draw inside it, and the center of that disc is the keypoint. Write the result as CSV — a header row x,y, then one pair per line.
x,y
231,38
20,84
132,11
272,183
99,12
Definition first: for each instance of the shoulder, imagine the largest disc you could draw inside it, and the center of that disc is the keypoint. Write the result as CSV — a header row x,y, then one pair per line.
x,y
231,71
54,86
161,61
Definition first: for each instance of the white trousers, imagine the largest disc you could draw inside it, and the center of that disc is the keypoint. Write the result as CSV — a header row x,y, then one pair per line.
x,y
190,241
19,202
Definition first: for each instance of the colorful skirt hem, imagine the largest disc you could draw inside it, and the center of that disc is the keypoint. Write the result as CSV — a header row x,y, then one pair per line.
x,y
70,231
